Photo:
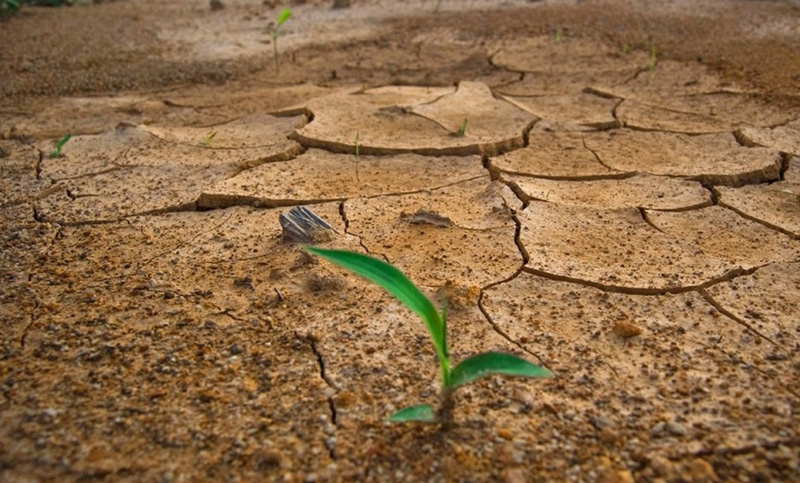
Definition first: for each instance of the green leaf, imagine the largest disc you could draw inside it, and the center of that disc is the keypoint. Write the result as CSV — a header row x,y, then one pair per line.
x,y
285,15
394,281
63,141
488,363
422,413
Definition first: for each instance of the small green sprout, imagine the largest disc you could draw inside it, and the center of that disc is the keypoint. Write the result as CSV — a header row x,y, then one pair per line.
x,y
651,63
462,131
358,144
469,370
285,15
558,36
626,48
59,145
208,139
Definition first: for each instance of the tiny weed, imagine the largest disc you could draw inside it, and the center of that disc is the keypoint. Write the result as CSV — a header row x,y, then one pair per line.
x,y
208,139
59,145
462,131
653,61
358,145
626,49
469,370
558,36
285,15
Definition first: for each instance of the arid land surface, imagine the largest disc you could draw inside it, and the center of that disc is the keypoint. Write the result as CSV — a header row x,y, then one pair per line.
x,y
623,207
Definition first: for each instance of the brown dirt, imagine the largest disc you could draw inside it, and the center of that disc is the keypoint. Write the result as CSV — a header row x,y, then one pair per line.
x,y
635,230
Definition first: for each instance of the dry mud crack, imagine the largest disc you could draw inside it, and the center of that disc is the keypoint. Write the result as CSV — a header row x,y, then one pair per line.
x,y
634,229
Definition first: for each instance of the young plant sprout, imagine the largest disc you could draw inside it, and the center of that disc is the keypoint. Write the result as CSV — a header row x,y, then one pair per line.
x,y
558,36
469,370
59,145
651,63
208,138
462,131
285,15
358,144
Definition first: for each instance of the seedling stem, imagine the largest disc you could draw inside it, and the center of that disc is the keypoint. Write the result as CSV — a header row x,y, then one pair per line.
x,y
59,145
467,371
285,15
462,131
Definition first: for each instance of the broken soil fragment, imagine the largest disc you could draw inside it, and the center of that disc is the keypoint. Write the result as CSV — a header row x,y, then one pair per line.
x,y
716,159
405,119
422,216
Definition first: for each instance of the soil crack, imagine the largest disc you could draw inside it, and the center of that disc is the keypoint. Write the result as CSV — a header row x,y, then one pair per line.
x,y
784,231
37,302
725,277
330,443
494,324
597,156
714,303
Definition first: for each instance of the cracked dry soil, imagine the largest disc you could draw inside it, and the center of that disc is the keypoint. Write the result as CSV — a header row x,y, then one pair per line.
x,y
634,229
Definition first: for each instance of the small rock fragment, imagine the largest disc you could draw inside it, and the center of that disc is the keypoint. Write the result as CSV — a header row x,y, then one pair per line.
x,y
425,217
701,470
676,429
515,475
301,225
460,295
662,466
626,330
216,5
505,433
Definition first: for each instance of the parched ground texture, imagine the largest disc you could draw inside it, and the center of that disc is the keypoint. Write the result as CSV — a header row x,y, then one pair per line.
x,y
623,207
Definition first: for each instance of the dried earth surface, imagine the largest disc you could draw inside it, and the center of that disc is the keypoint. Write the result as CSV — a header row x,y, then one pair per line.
x,y
608,188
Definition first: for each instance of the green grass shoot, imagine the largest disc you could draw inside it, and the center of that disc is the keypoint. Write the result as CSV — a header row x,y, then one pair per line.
x,y
469,370
558,36
653,60
462,131
56,153
208,139
285,15
358,144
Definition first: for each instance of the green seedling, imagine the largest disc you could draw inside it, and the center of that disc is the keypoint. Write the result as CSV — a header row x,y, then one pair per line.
x,y
653,60
285,15
60,145
462,131
469,370
209,138
358,145
558,36
626,49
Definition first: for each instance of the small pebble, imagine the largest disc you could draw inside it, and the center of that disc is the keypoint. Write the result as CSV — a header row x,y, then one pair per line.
x,y
505,433
676,429
626,330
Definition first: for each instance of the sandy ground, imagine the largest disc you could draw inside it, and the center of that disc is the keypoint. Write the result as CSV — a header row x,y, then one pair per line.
x,y
623,208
